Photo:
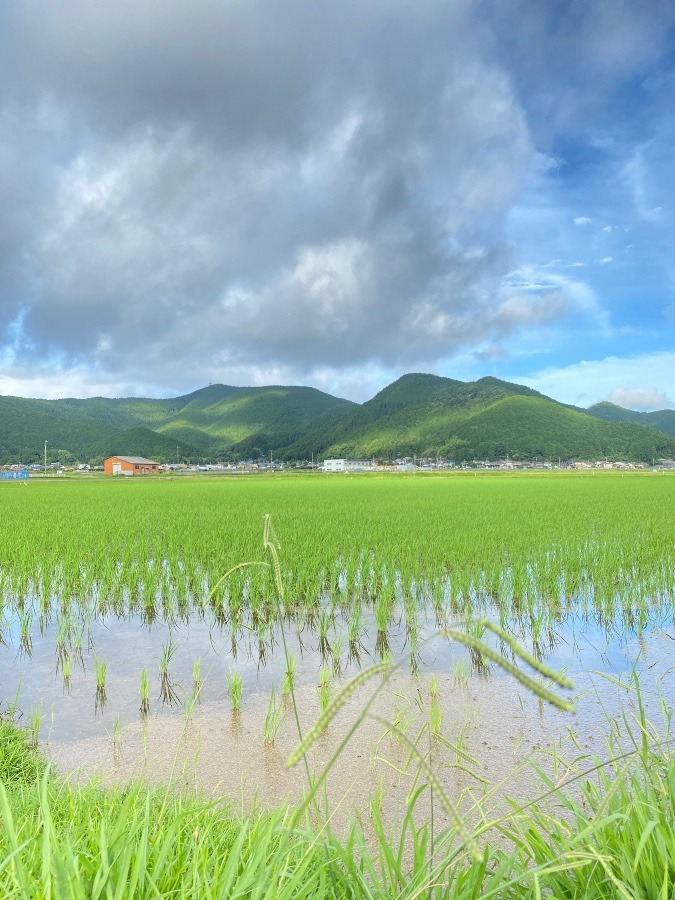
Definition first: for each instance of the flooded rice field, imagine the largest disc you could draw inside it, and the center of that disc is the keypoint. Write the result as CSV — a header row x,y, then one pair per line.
x,y
479,725
152,631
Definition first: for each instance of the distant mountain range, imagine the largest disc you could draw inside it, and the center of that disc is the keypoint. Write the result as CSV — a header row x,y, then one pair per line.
x,y
422,415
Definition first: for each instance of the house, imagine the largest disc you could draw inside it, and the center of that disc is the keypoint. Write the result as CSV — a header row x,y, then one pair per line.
x,y
346,465
130,465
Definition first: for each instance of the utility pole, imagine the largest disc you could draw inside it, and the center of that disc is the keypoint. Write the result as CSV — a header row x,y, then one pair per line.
x,y
46,442
177,460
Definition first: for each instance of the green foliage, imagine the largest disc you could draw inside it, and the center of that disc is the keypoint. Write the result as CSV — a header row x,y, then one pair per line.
x,y
216,421
487,419
663,419
418,414
19,761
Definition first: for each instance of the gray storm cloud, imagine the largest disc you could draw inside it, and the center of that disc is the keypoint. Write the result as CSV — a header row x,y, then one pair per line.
x,y
290,184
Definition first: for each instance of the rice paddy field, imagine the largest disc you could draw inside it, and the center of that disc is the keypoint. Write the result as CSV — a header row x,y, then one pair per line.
x,y
490,660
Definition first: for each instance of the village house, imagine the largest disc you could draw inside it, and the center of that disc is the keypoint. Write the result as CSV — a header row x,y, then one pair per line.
x,y
130,465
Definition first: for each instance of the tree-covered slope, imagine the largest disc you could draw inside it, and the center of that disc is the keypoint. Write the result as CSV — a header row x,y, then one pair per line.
x,y
490,419
423,415
662,419
204,424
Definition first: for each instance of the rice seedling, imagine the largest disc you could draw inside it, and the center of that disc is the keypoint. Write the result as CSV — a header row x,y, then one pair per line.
x,y
35,722
323,625
197,680
167,690
460,671
117,734
67,675
324,688
402,716
189,704
145,693
289,675
336,655
354,630
25,638
235,688
435,717
101,693
274,719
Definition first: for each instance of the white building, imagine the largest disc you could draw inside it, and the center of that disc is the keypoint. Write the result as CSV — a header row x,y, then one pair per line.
x,y
346,465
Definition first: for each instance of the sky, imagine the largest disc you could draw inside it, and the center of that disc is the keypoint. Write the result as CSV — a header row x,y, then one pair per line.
x,y
335,194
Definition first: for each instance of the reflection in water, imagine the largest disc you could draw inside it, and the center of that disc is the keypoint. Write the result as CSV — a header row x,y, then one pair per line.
x,y
217,727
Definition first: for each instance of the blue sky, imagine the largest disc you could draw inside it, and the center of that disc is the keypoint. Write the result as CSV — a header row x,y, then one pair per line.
x,y
337,194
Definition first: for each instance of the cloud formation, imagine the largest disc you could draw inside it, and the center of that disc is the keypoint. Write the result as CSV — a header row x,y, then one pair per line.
x,y
618,380
640,398
213,191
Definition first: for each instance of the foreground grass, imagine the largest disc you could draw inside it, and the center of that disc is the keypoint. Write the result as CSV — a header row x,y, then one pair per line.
x,y
616,838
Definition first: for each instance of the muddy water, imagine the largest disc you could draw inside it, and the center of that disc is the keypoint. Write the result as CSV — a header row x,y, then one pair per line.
x,y
486,716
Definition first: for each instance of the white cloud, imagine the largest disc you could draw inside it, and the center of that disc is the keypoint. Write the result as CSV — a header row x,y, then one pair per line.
x,y
53,382
582,220
640,398
605,260
590,381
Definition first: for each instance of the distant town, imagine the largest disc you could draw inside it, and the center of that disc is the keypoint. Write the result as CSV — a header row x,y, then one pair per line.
x,y
145,467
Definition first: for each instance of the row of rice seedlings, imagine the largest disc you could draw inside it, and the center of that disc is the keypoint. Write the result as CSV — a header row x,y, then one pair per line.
x,y
599,575
182,577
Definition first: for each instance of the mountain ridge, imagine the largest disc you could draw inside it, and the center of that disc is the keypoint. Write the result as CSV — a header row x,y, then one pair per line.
x,y
417,414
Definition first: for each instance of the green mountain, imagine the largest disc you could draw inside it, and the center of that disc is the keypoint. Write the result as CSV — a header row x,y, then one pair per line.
x,y
209,423
422,415
662,419
486,419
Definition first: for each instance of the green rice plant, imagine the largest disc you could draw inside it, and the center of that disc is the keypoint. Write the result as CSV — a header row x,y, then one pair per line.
x,y
35,722
101,693
324,688
274,719
66,672
354,631
336,654
460,671
402,716
167,690
197,680
435,717
62,633
117,734
235,688
25,638
289,676
189,704
323,625
145,693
